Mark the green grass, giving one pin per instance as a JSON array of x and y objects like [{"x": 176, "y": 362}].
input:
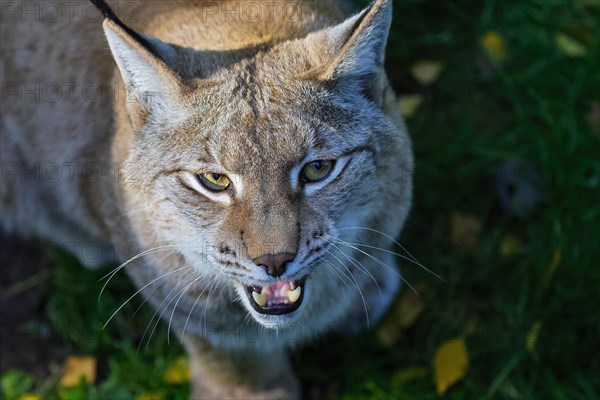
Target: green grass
[{"x": 533, "y": 109}]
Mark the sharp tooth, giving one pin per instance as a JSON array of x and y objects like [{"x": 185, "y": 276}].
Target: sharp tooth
[
  {"x": 294, "y": 295},
  {"x": 260, "y": 299}
]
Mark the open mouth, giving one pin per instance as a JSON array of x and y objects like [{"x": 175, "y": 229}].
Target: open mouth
[{"x": 278, "y": 298}]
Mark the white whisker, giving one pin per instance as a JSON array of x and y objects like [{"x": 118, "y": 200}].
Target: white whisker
[
  {"x": 204, "y": 312},
  {"x": 180, "y": 294},
  {"x": 194, "y": 305},
  {"x": 111, "y": 274},
  {"x": 339, "y": 274},
  {"x": 399, "y": 255},
  {"x": 357, "y": 287},
  {"x": 410, "y": 258},
  {"x": 362, "y": 269},
  {"x": 158, "y": 309},
  {"x": 377, "y": 260},
  {"x": 178, "y": 300},
  {"x": 142, "y": 288}
]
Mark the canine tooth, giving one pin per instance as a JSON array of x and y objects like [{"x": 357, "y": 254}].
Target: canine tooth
[
  {"x": 260, "y": 299},
  {"x": 294, "y": 295}
]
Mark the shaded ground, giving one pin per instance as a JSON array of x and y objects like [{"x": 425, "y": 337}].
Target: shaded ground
[{"x": 25, "y": 343}]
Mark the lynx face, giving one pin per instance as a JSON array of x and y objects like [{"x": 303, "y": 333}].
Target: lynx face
[{"x": 256, "y": 169}]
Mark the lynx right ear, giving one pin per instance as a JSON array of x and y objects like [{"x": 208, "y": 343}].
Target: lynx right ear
[
  {"x": 358, "y": 44},
  {"x": 353, "y": 52},
  {"x": 143, "y": 62}
]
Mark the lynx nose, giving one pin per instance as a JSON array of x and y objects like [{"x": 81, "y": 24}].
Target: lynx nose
[{"x": 274, "y": 263}]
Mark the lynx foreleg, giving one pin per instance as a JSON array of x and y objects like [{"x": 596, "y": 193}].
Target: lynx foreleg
[{"x": 249, "y": 374}]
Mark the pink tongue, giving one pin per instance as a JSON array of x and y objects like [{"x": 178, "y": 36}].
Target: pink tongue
[{"x": 277, "y": 290}]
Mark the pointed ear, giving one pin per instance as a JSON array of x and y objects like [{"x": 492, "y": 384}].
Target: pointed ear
[
  {"x": 355, "y": 48},
  {"x": 143, "y": 66},
  {"x": 143, "y": 62},
  {"x": 358, "y": 43}
]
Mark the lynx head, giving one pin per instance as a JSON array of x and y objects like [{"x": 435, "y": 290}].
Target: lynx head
[{"x": 257, "y": 159}]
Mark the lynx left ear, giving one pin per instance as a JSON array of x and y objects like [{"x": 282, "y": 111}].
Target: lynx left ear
[
  {"x": 143, "y": 62},
  {"x": 358, "y": 43}
]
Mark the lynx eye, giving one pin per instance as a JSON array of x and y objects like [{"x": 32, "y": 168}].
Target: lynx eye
[
  {"x": 317, "y": 170},
  {"x": 215, "y": 182}
]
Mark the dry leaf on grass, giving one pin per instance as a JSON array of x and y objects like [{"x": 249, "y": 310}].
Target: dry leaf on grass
[
  {"x": 450, "y": 364},
  {"x": 405, "y": 311},
  {"x": 409, "y": 104},
  {"x": 569, "y": 46},
  {"x": 426, "y": 72},
  {"x": 178, "y": 372},
  {"x": 532, "y": 337},
  {"x": 510, "y": 246},
  {"x": 494, "y": 45},
  {"x": 464, "y": 230},
  {"x": 554, "y": 263},
  {"x": 77, "y": 367}
]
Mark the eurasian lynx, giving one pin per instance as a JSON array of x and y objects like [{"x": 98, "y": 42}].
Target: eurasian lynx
[{"x": 251, "y": 152}]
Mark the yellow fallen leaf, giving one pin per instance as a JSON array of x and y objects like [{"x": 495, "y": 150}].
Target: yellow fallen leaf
[
  {"x": 569, "y": 46},
  {"x": 409, "y": 104},
  {"x": 411, "y": 306},
  {"x": 450, "y": 364},
  {"x": 405, "y": 311},
  {"x": 178, "y": 372},
  {"x": 510, "y": 245},
  {"x": 532, "y": 337},
  {"x": 554, "y": 263},
  {"x": 149, "y": 396},
  {"x": 30, "y": 397},
  {"x": 77, "y": 367},
  {"x": 408, "y": 375},
  {"x": 493, "y": 43},
  {"x": 464, "y": 231},
  {"x": 426, "y": 72}
]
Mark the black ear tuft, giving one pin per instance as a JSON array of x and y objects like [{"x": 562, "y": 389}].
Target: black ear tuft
[
  {"x": 105, "y": 10},
  {"x": 109, "y": 14}
]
